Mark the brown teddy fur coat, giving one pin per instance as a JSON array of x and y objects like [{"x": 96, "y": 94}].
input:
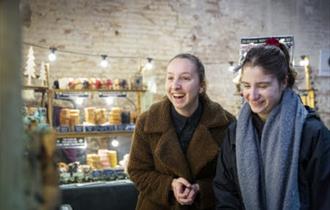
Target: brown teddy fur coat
[{"x": 156, "y": 157}]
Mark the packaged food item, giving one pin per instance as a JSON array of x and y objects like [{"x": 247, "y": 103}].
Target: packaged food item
[
  {"x": 116, "y": 84},
  {"x": 98, "y": 84},
  {"x": 85, "y": 169},
  {"x": 94, "y": 161},
  {"x": 62, "y": 167},
  {"x": 115, "y": 116},
  {"x": 95, "y": 83},
  {"x": 78, "y": 84},
  {"x": 112, "y": 157},
  {"x": 65, "y": 117},
  {"x": 103, "y": 153},
  {"x": 107, "y": 84},
  {"x": 90, "y": 115},
  {"x": 85, "y": 84},
  {"x": 100, "y": 116},
  {"x": 71, "y": 83},
  {"x": 123, "y": 84},
  {"x": 74, "y": 117}
]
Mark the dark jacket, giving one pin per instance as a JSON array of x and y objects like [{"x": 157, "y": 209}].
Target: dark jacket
[
  {"x": 313, "y": 172},
  {"x": 156, "y": 157}
]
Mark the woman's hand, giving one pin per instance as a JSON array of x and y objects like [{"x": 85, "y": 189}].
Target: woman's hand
[
  {"x": 184, "y": 192},
  {"x": 192, "y": 194}
]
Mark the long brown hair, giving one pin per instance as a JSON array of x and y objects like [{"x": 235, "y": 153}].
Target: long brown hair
[{"x": 275, "y": 60}]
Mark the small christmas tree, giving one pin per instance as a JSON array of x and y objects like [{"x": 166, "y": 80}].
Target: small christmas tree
[
  {"x": 30, "y": 67},
  {"x": 43, "y": 74}
]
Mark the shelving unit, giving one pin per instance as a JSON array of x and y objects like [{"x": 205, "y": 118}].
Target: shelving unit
[
  {"x": 36, "y": 88},
  {"x": 120, "y": 91},
  {"x": 84, "y": 134},
  {"x": 79, "y": 142},
  {"x": 96, "y": 90},
  {"x": 41, "y": 89},
  {"x": 94, "y": 134}
]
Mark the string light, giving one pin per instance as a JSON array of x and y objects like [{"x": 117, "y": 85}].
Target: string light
[
  {"x": 75, "y": 52},
  {"x": 52, "y": 55},
  {"x": 304, "y": 61},
  {"x": 54, "y": 52},
  {"x": 231, "y": 66},
  {"x": 104, "y": 61},
  {"x": 115, "y": 143},
  {"x": 149, "y": 65}
]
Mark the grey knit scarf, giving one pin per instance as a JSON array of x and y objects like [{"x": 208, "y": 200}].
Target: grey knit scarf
[{"x": 268, "y": 172}]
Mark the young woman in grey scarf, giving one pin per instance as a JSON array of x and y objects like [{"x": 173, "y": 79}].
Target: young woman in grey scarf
[{"x": 277, "y": 155}]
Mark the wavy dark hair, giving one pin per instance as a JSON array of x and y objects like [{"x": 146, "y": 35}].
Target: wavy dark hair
[
  {"x": 275, "y": 60},
  {"x": 197, "y": 63}
]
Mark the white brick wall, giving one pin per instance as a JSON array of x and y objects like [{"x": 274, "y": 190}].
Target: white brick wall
[{"x": 211, "y": 29}]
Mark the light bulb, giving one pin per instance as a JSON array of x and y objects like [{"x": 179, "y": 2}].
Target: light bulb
[
  {"x": 115, "y": 143},
  {"x": 149, "y": 65},
  {"x": 52, "y": 55},
  {"x": 104, "y": 61},
  {"x": 304, "y": 61},
  {"x": 231, "y": 66}
]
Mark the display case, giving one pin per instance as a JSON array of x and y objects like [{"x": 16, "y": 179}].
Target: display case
[{"x": 94, "y": 128}]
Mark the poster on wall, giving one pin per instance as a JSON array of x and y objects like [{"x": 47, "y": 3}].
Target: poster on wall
[{"x": 248, "y": 43}]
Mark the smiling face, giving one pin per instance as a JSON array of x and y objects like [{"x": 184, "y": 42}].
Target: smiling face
[
  {"x": 262, "y": 91},
  {"x": 183, "y": 86}
]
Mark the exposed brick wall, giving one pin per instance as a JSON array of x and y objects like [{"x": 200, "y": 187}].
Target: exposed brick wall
[{"x": 211, "y": 29}]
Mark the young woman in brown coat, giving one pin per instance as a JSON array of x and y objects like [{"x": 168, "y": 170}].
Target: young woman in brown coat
[{"x": 176, "y": 142}]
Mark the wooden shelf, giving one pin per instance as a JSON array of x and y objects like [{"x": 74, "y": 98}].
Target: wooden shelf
[
  {"x": 92, "y": 134},
  {"x": 94, "y": 90},
  {"x": 35, "y": 88}
]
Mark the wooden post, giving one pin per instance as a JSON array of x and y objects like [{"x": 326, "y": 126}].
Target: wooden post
[
  {"x": 50, "y": 98},
  {"x": 11, "y": 127},
  {"x": 138, "y": 103}
]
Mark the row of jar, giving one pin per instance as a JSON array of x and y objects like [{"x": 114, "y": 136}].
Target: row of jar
[
  {"x": 94, "y": 116},
  {"x": 133, "y": 83}
]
